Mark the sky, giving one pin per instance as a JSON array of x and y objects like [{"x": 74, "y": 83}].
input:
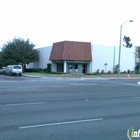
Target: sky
[{"x": 47, "y": 21}]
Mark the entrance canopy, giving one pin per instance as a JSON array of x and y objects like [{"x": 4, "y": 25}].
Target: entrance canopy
[{"x": 71, "y": 50}]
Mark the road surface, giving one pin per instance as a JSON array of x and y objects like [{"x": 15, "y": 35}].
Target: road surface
[{"x": 67, "y": 108}]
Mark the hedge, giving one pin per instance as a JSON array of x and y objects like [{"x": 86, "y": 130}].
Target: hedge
[{"x": 33, "y": 70}]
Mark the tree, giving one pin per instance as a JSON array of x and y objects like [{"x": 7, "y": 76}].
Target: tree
[
  {"x": 127, "y": 42},
  {"x": 1, "y": 61},
  {"x": 137, "y": 59},
  {"x": 137, "y": 52},
  {"x": 19, "y": 51}
]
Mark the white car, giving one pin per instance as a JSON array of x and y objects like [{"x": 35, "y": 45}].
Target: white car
[{"x": 13, "y": 70}]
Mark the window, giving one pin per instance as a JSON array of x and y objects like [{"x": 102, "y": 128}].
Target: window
[{"x": 17, "y": 67}]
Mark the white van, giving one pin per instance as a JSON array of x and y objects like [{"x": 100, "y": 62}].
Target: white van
[{"x": 13, "y": 70}]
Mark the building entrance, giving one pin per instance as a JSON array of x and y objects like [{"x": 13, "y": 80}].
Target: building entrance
[{"x": 60, "y": 67}]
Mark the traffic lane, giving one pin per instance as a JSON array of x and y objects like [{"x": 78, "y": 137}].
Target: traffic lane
[
  {"x": 20, "y": 91},
  {"x": 102, "y": 130},
  {"x": 34, "y": 113},
  {"x": 85, "y": 91},
  {"x": 27, "y": 81},
  {"x": 106, "y": 129},
  {"x": 30, "y": 90},
  {"x": 59, "y": 110},
  {"x": 34, "y": 90}
]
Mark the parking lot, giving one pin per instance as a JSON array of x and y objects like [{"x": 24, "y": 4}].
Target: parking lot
[{"x": 56, "y": 108}]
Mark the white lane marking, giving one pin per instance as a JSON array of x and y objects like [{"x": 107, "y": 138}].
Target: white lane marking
[
  {"x": 82, "y": 84},
  {"x": 35, "y": 103},
  {"x": 95, "y": 78},
  {"x": 136, "y": 97},
  {"x": 127, "y": 84},
  {"x": 60, "y": 123}
]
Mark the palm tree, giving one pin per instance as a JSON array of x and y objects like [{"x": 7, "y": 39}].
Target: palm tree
[{"x": 127, "y": 42}]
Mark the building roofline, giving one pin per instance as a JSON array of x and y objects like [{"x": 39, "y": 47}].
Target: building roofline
[{"x": 72, "y": 41}]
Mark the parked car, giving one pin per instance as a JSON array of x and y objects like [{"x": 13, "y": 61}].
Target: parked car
[
  {"x": 13, "y": 70},
  {"x": 3, "y": 70}
]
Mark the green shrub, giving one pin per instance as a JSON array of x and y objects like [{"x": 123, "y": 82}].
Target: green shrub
[
  {"x": 128, "y": 71},
  {"x": 98, "y": 71},
  {"x": 33, "y": 70},
  {"x": 49, "y": 69},
  {"x": 109, "y": 72},
  {"x": 102, "y": 71},
  {"x": 132, "y": 72},
  {"x": 124, "y": 72},
  {"x": 137, "y": 72},
  {"x": 115, "y": 69},
  {"x": 95, "y": 73},
  {"x": 57, "y": 73},
  {"x": 88, "y": 73},
  {"x": 137, "y": 68},
  {"x": 46, "y": 70}
]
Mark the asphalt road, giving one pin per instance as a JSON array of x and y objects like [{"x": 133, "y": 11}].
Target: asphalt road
[{"x": 67, "y": 108}]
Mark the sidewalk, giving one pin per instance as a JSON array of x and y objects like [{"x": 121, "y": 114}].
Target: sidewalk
[{"x": 101, "y": 76}]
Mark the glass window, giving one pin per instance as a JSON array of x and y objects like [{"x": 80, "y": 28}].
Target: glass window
[{"x": 17, "y": 67}]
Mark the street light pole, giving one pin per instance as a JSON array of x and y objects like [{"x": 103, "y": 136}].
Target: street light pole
[
  {"x": 120, "y": 47},
  {"x": 119, "y": 51}
]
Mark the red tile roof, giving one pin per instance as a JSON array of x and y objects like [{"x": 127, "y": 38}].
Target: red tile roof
[{"x": 71, "y": 50}]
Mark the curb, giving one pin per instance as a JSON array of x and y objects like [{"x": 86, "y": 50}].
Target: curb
[{"x": 82, "y": 78}]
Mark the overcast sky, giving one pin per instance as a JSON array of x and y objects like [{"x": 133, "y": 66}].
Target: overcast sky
[{"x": 48, "y": 21}]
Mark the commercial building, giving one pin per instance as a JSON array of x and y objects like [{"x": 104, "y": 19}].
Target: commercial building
[{"x": 84, "y": 57}]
